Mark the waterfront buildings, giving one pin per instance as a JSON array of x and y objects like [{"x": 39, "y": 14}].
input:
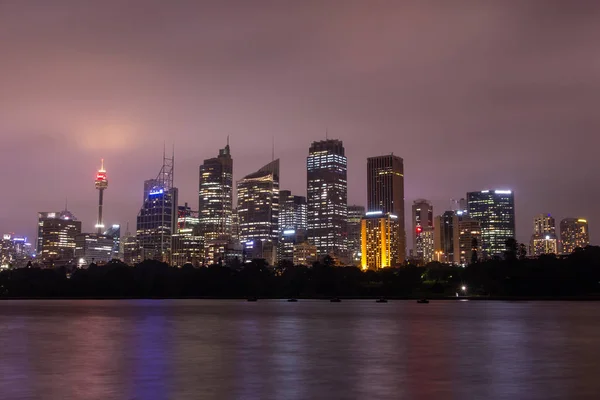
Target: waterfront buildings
[
  {"x": 305, "y": 254},
  {"x": 495, "y": 211},
  {"x": 543, "y": 239},
  {"x": 444, "y": 226},
  {"x": 157, "y": 219},
  {"x": 327, "y": 197},
  {"x": 292, "y": 224},
  {"x": 215, "y": 204},
  {"x": 355, "y": 215},
  {"x": 56, "y": 237},
  {"x": 380, "y": 241},
  {"x": 258, "y": 211},
  {"x": 385, "y": 193},
  {"x": 574, "y": 233},
  {"x": 15, "y": 251},
  {"x": 93, "y": 248},
  {"x": 422, "y": 221},
  {"x": 114, "y": 232},
  {"x": 467, "y": 240}
]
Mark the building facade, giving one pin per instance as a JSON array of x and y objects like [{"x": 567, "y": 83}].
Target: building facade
[
  {"x": 574, "y": 233},
  {"x": 422, "y": 221},
  {"x": 444, "y": 226},
  {"x": 467, "y": 240},
  {"x": 327, "y": 197},
  {"x": 56, "y": 237},
  {"x": 543, "y": 239},
  {"x": 292, "y": 224},
  {"x": 215, "y": 204},
  {"x": 380, "y": 241},
  {"x": 93, "y": 248},
  {"x": 385, "y": 192},
  {"x": 355, "y": 215},
  {"x": 495, "y": 211}
]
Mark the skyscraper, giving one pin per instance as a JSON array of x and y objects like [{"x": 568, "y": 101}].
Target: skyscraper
[
  {"x": 543, "y": 239},
  {"x": 444, "y": 226},
  {"x": 380, "y": 237},
  {"x": 422, "y": 219},
  {"x": 355, "y": 215},
  {"x": 157, "y": 219},
  {"x": 495, "y": 210},
  {"x": 188, "y": 246},
  {"x": 292, "y": 224},
  {"x": 327, "y": 197},
  {"x": 101, "y": 184},
  {"x": 114, "y": 232},
  {"x": 385, "y": 192},
  {"x": 574, "y": 233},
  {"x": 216, "y": 196},
  {"x": 258, "y": 209},
  {"x": 93, "y": 248},
  {"x": 467, "y": 239},
  {"x": 56, "y": 237}
]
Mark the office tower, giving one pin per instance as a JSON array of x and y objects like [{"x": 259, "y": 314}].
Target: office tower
[
  {"x": 385, "y": 192},
  {"x": 56, "y": 237},
  {"x": 422, "y": 219},
  {"x": 543, "y": 239},
  {"x": 292, "y": 224},
  {"x": 157, "y": 219},
  {"x": 235, "y": 226},
  {"x": 114, "y": 232},
  {"x": 459, "y": 205},
  {"x": 216, "y": 196},
  {"x": 130, "y": 249},
  {"x": 574, "y": 233},
  {"x": 188, "y": 245},
  {"x": 93, "y": 248},
  {"x": 427, "y": 241},
  {"x": 380, "y": 241},
  {"x": 15, "y": 251},
  {"x": 444, "y": 226},
  {"x": 327, "y": 197},
  {"x": 305, "y": 254},
  {"x": 495, "y": 210},
  {"x": 258, "y": 210},
  {"x": 355, "y": 215},
  {"x": 467, "y": 239},
  {"x": 101, "y": 184},
  {"x": 187, "y": 221}
]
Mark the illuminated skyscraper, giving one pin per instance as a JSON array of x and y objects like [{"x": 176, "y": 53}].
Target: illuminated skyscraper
[
  {"x": 355, "y": 215},
  {"x": 574, "y": 233},
  {"x": 422, "y": 219},
  {"x": 157, "y": 219},
  {"x": 188, "y": 246},
  {"x": 380, "y": 236},
  {"x": 543, "y": 239},
  {"x": 56, "y": 237},
  {"x": 101, "y": 184},
  {"x": 385, "y": 192},
  {"x": 114, "y": 232},
  {"x": 444, "y": 226},
  {"x": 216, "y": 196},
  {"x": 327, "y": 197},
  {"x": 495, "y": 211},
  {"x": 258, "y": 209},
  {"x": 93, "y": 248},
  {"x": 467, "y": 239},
  {"x": 292, "y": 223}
]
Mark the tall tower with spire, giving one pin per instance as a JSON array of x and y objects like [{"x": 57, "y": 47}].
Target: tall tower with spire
[{"x": 101, "y": 183}]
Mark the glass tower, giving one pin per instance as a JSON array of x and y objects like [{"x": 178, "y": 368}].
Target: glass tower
[{"x": 495, "y": 211}]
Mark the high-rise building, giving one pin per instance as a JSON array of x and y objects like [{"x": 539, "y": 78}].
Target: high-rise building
[
  {"x": 305, "y": 254},
  {"x": 101, "y": 184},
  {"x": 15, "y": 251},
  {"x": 422, "y": 220},
  {"x": 187, "y": 221},
  {"x": 157, "y": 219},
  {"x": 427, "y": 241},
  {"x": 216, "y": 196},
  {"x": 495, "y": 210},
  {"x": 444, "y": 226},
  {"x": 355, "y": 215},
  {"x": 380, "y": 236},
  {"x": 385, "y": 192},
  {"x": 292, "y": 224},
  {"x": 327, "y": 197},
  {"x": 56, "y": 237},
  {"x": 93, "y": 248},
  {"x": 114, "y": 232},
  {"x": 467, "y": 239},
  {"x": 188, "y": 245},
  {"x": 543, "y": 239},
  {"x": 235, "y": 226},
  {"x": 574, "y": 233},
  {"x": 258, "y": 209}
]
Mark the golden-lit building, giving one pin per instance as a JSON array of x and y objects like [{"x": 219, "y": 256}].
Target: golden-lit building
[
  {"x": 574, "y": 234},
  {"x": 427, "y": 245},
  {"x": 381, "y": 241},
  {"x": 543, "y": 240},
  {"x": 305, "y": 254}
]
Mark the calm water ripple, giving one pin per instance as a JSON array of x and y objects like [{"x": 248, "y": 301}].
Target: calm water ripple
[{"x": 217, "y": 349}]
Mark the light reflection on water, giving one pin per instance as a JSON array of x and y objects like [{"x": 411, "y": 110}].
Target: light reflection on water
[{"x": 190, "y": 349}]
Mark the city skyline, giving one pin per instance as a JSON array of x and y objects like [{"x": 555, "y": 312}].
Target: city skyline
[{"x": 382, "y": 80}]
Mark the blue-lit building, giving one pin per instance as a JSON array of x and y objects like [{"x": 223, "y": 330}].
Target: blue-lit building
[{"x": 495, "y": 211}]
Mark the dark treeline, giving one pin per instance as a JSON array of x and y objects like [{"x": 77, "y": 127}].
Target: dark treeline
[{"x": 515, "y": 275}]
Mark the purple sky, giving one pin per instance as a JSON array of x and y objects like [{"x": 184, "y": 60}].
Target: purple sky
[{"x": 472, "y": 94}]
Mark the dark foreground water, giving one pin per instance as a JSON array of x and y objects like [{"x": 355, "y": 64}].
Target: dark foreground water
[{"x": 204, "y": 349}]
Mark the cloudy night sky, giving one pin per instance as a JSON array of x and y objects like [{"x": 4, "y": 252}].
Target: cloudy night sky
[{"x": 472, "y": 94}]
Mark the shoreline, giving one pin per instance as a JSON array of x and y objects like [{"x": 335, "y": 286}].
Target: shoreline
[{"x": 372, "y": 298}]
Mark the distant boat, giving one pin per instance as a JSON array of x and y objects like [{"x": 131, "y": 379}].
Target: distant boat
[
  {"x": 382, "y": 300},
  {"x": 423, "y": 301},
  {"x": 292, "y": 300},
  {"x": 252, "y": 299},
  {"x": 335, "y": 300}
]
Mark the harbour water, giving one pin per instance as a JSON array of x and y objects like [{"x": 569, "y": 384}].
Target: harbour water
[{"x": 272, "y": 349}]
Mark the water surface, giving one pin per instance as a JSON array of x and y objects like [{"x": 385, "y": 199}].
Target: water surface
[{"x": 228, "y": 349}]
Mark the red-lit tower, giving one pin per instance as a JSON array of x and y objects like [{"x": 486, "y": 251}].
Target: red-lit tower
[{"x": 101, "y": 184}]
